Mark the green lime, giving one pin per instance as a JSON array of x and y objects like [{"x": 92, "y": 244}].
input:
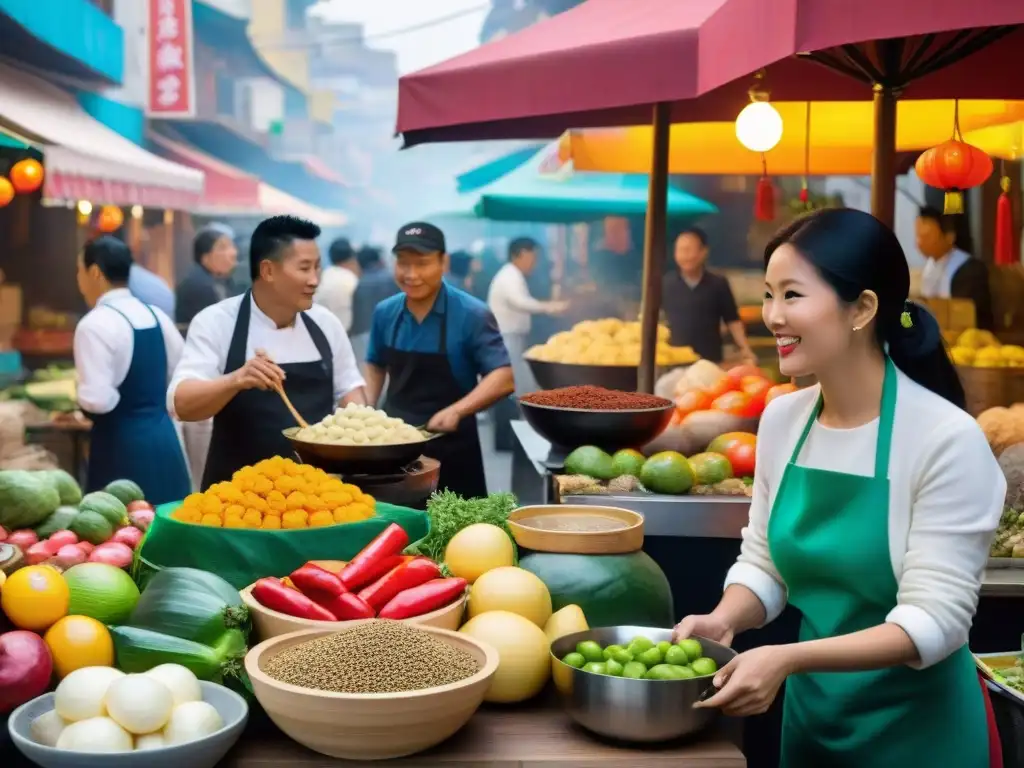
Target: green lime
[
  {"x": 634, "y": 669},
  {"x": 684, "y": 672},
  {"x": 611, "y": 649},
  {"x": 620, "y": 655},
  {"x": 628, "y": 462},
  {"x": 704, "y": 666},
  {"x": 692, "y": 647},
  {"x": 595, "y": 667},
  {"x": 650, "y": 658},
  {"x": 574, "y": 660},
  {"x": 676, "y": 655},
  {"x": 663, "y": 672},
  {"x": 590, "y": 650},
  {"x": 613, "y": 668},
  {"x": 638, "y": 645},
  {"x": 663, "y": 646}
]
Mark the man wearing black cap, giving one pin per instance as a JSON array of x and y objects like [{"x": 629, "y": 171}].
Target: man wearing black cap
[{"x": 442, "y": 355}]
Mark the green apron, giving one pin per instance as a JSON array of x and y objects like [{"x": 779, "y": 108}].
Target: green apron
[{"x": 828, "y": 534}]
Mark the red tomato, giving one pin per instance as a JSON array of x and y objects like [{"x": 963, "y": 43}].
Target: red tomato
[
  {"x": 741, "y": 455},
  {"x": 736, "y": 403},
  {"x": 737, "y": 373},
  {"x": 757, "y": 387},
  {"x": 720, "y": 387},
  {"x": 778, "y": 390},
  {"x": 693, "y": 400}
]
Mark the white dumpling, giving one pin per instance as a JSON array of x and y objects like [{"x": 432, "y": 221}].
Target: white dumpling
[
  {"x": 333, "y": 433},
  {"x": 346, "y": 441},
  {"x": 373, "y": 432}
]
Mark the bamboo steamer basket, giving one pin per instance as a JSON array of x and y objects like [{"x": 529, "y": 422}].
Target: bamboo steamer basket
[
  {"x": 986, "y": 388},
  {"x": 370, "y": 726}
]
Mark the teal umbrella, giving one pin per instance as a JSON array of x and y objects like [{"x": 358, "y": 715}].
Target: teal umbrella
[{"x": 565, "y": 197}]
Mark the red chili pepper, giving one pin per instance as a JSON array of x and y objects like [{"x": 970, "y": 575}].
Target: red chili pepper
[
  {"x": 405, "y": 576},
  {"x": 423, "y": 599},
  {"x": 363, "y": 569},
  {"x": 347, "y": 607},
  {"x": 272, "y": 594},
  {"x": 318, "y": 584}
]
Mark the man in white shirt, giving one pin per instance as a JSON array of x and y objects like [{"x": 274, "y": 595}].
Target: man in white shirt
[
  {"x": 338, "y": 282},
  {"x": 240, "y": 351},
  {"x": 124, "y": 353},
  {"x": 510, "y": 300}
]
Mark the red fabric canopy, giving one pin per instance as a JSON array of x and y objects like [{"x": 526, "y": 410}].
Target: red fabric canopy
[
  {"x": 226, "y": 188},
  {"x": 606, "y": 62}
]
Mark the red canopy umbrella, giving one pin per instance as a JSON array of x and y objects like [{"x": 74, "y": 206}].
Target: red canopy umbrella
[{"x": 610, "y": 62}]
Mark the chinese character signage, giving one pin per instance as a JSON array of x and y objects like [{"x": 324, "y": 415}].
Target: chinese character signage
[{"x": 172, "y": 90}]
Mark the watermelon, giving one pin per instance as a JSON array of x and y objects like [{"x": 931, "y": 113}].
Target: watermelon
[
  {"x": 26, "y": 499},
  {"x": 106, "y": 505},
  {"x": 612, "y": 590},
  {"x": 126, "y": 491},
  {"x": 60, "y": 520},
  {"x": 91, "y": 526},
  {"x": 67, "y": 487}
]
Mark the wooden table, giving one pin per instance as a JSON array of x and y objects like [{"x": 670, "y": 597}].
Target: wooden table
[{"x": 530, "y": 736}]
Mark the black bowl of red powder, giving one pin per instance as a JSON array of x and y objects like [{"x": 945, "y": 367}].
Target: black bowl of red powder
[{"x": 588, "y": 415}]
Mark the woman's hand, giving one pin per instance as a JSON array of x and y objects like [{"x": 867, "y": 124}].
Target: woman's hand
[
  {"x": 749, "y": 683},
  {"x": 707, "y": 625}
]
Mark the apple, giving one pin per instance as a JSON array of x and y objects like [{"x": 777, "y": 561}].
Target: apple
[{"x": 25, "y": 668}]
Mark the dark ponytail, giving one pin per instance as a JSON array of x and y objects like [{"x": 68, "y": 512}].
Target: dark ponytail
[{"x": 854, "y": 252}]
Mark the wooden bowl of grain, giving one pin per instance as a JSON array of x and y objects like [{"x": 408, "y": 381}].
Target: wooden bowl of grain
[
  {"x": 267, "y": 624},
  {"x": 370, "y": 726}
]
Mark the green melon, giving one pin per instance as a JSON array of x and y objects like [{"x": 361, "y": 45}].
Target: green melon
[
  {"x": 105, "y": 505},
  {"x": 60, "y": 520},
  {"x": 66, "y": 485},
  {"x": 91, "y": 526},
  {"x": 612, "y": 590},
  {"x": 126, "y": 491}
]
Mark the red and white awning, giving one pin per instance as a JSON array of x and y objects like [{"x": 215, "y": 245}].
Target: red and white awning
[{"x": 85, "y": 160}]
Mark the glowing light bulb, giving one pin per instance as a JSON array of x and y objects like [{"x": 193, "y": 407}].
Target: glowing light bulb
[
  {"x": 136, "y": 211},
  {"x": 759, "y": 126},
  {"x": 84, "y": 207}
]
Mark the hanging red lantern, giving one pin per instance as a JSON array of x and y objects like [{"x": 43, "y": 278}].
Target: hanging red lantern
[
  {"x": 953, "y": 166},
  {"x": 1005, "y": 248},
  {"x": 27, "y": 176},
  {"x": 110, "y": 219},
  {"x": 6, "y": 192},
  {"x": 764, "y": 195}
]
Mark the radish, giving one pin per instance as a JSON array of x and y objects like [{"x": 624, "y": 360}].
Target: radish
[
  {"x": 38, "y": 552},
  {"x": 25, "y": 668},
  {"x": 129, "y": 535},
  {"x": 69, "y": 555},
  {"x": 112, "y": 553},
  {"x": 134, "y": 505},
  {"x": 86, "y": 547},
  {"x": 141, "y": 518},
  {"x": 61, "y": 538},
  {"x": 22, "y": 539}
]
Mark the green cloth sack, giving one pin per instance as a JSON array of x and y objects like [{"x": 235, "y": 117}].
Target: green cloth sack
[{"x": 240, "y": 556}]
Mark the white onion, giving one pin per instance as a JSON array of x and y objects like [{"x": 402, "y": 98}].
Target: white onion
[
  {"x": 80, "y": 695},
  {"x": 139, "y": 703},
  {"x": 97, "y": 734},
  {"x": 184, "y": 685},
  {"x": 47, "y": 728},
  {"x": 190, "y": 721}
]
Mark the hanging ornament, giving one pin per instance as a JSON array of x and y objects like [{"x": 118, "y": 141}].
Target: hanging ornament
[
  {"x": 764, "y": 195},
  {"x": 1005, "y": 248},
  {"x": 110, "y": 219},
  {"x": 27, "y": 176},
  {"x": 759, "y": 129},
  {"x": 6, "y": 192},
  {"x": 954, "y": 166}
]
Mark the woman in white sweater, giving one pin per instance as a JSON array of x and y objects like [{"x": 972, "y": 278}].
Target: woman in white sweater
[{"x": 875, "y": 499}]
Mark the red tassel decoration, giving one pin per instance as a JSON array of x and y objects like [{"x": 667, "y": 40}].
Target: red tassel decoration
[
  {"x": 764, "y": 195},
  {"x": 1006, "y": 252}
]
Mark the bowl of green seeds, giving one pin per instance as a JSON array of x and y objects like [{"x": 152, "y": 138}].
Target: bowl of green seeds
[{"x": 375, "y": 690}]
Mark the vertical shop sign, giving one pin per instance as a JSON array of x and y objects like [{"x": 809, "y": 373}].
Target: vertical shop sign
[{"x": 171, "y": 87}]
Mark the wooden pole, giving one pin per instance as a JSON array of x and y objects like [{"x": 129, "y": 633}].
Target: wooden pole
[
  {"x": 654, "y": 250},
  {"x": 883, "y": 157}
]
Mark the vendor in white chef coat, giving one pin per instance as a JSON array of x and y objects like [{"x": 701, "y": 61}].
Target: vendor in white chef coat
[
  {"x": 875, "y": 500},
  {"x": 240, "y": 350},
  {"x": 124, "y": 353}
]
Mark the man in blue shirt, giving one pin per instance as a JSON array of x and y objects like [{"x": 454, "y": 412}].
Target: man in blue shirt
[
  {"x": 442, "y": 355},
  {"x": 150, "y": 288}
]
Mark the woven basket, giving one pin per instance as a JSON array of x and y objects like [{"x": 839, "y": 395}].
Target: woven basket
[{"x": 991, "y": 387}]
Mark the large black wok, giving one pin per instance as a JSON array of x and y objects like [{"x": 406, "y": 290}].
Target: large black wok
[{"x": 358, "y": 459}]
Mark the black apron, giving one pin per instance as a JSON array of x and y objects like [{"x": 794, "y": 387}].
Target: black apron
[
  {"x": 420, "y": 385},
  {"x": 248, "y": 429}
]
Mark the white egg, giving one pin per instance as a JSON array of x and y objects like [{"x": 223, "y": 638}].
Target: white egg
[
  {"x": 139, "y": 703},
  {"x": 80, "y": 695},
  {"x": 184, "y": 685},
  {"x": 47, "y": 728},
  {"x": 95, "y": 735},
  {"x": 150, "y": 741}
]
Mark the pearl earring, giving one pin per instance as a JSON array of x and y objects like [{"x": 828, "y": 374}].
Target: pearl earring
[{"x": 856, "y": 328}]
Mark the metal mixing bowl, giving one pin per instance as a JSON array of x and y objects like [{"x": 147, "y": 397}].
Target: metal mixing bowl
[{"x": 633, "y": 710}]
